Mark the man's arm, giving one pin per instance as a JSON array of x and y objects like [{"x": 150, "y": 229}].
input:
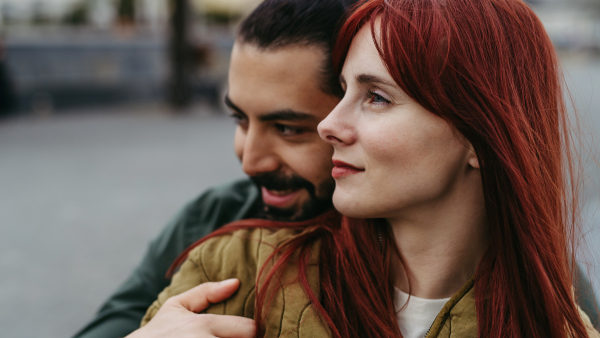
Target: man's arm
[
  {"x": 178, "y": 316},
  {"x": 122, "y": 312}
]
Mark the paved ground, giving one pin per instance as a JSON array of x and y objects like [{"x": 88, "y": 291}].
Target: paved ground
[{"x": 82, "y": 194}]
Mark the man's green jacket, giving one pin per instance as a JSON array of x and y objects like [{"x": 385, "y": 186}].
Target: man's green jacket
[{"x": 123, "y": 311}]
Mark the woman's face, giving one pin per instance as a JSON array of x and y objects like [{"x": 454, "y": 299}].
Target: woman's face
[{"x": 391, "y": 154}]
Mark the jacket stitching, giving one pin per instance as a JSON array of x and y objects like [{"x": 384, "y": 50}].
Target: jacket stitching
[
  {"x": 301, "y": 316},
  {"x": 247, "y": 299},
  {"x": 283, "y": 310},
  {"x": 200, "y": 266},
  {"x": 258, "y": 249},
  {"x": 260, "y": 242}
]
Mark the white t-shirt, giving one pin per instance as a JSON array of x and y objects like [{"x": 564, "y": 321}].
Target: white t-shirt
[{"x": 417, "y": 317}]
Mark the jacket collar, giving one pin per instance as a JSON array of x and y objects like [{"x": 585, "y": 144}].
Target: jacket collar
[{"x": 459, "y": 314}]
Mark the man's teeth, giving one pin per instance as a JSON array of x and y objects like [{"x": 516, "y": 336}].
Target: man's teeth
[{"x": 281, "y": 192}]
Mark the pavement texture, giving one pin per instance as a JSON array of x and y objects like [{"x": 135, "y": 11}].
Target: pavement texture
[{"x": 82, "y": 194}]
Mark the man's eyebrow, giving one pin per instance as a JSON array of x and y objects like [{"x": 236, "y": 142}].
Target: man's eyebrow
[
  {"x": 368, "y": 78},
  {"x": 287, "y": 115},
  {"x": 232, "y": 106}
]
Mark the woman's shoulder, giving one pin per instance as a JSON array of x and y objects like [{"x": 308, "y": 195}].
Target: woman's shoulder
[
  {"x": 245, "y": 247},
  {"x": 239, "y": 254},
  {"x": 591, "y": 331}
]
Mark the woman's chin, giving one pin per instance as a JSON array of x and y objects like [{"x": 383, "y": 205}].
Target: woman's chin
[{"x": 349, "y": 205}]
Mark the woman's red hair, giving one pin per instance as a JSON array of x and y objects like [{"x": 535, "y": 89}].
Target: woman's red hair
[
  {"x": 487, "y": 67},
  {"x": 355, "y": 272}
]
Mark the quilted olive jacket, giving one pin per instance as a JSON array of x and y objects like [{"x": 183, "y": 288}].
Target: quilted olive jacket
[{"x": 291, "y": 314}]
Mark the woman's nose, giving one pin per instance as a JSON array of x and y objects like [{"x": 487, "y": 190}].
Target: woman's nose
[{"x": 336, "y": 129}]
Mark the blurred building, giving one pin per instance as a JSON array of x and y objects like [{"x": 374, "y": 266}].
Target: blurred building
[
  {"x": 102, "y": 13},
  {"x": 572, "y": 28},
  {"x": 67, "y": 53}
]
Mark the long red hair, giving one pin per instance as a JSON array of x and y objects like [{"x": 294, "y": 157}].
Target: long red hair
[
  {"x": 488, "y": 67},
  {"x": 355, "y": 272}
]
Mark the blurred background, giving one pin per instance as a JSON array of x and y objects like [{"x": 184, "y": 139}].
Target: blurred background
[{"x": 111, "y": 120}]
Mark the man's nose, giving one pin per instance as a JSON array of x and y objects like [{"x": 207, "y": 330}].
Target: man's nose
[{"x": 259, "y": 154}]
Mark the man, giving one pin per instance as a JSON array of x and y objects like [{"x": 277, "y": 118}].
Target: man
[{"x": 281, "y": 85}]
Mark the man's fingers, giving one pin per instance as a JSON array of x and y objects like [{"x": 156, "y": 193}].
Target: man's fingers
[
  {"x": 201, "y": 296},
  {"x": 230, "y": 326}
]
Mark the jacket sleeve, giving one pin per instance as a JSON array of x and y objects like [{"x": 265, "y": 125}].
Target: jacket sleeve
[
  {"x": 189, "y": 275},
  {"x": 232, "y": 255},
  {"x": 122, "y": 312}
]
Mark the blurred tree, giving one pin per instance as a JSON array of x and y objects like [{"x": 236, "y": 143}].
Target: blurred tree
[
  {"x": 78, "y": 14},
  {"x": 40, "y": 13},
  {"x": 179, "y": 90},
  {"x": 126, "y": 11},
  {"x": 7, "y": 94}
]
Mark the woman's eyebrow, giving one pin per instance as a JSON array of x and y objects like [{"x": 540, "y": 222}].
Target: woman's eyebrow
[{"x": 368, "y": 78}]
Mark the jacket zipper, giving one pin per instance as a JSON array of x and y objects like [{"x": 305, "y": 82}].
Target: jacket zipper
[
  {"x": 426, "y": 333},
  {"x": 430, "y": 326}
]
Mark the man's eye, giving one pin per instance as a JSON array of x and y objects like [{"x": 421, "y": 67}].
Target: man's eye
[
  {"x": 376, "y": 98},
  {"x": 239, "y": 119},
  {"x": 288, "y": 130}
]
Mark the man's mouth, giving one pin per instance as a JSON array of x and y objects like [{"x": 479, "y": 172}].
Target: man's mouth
[{"x": 279, "y": 198}]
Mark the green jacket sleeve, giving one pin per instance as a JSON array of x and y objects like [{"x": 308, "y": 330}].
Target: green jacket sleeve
[{"x": 122, "y": 312}]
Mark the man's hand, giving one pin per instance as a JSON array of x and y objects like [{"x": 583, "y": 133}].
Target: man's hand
[{"x": 178, "y": 316}]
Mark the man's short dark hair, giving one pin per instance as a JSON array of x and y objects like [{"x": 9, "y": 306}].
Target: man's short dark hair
[{"x": 279, "y": 23}]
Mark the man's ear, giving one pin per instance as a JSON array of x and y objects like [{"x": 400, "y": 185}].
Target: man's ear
[{"x": 472, "y": 157}]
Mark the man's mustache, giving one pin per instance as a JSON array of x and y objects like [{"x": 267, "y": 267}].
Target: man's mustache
[{"x": 281, "y": 182}]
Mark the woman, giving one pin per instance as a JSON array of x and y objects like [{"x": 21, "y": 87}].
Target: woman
[{"x": 451, "y": 141}]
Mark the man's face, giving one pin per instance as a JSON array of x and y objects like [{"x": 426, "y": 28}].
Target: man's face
[{"x": 276, "y": 99}]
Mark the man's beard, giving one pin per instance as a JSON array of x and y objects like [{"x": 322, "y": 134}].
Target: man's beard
[{"x": 318, "y": 202}]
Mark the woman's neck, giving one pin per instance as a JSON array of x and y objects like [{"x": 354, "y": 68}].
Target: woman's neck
[{"x": 441, "y": 245}]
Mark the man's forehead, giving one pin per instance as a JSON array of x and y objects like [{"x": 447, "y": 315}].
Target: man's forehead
[
  {"x": 285, "y": 81},
  {"x": 294, "y": 50},
  {"x": 294, "y": 60}
]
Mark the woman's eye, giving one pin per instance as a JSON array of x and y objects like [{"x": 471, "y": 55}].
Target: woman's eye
[
  {"x": 288, "y": 130},
  {"x": 376, "y": 98}
]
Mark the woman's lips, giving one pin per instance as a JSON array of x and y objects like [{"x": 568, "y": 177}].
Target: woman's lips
[
  {"x": 342, "y": 169},
  {"x": 278, "y": 199}
]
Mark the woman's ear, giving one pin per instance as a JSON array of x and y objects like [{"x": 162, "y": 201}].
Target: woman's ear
[{"x": 472, "y": 157}]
